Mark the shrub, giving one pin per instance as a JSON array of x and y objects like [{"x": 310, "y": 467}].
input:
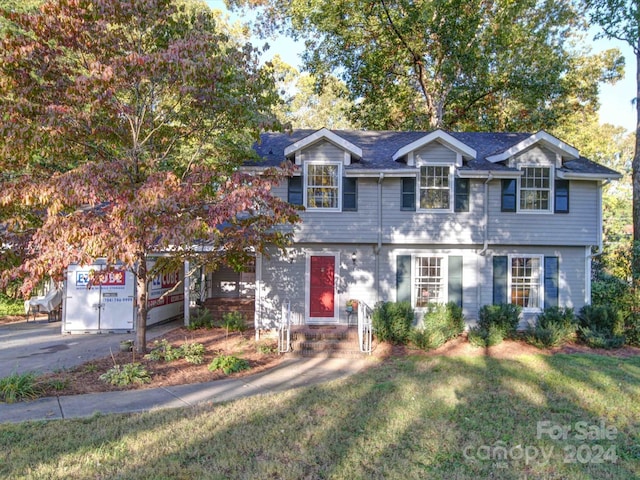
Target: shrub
[
  {"x": 613, "y": 291},
  {"x": 554, "y": 326},
  {"x": 126, "y": 374},
  {"x": 10, "y": 306},
  {"x": 392, "y": 321},
  {"x": 485, "y": 336},
  {"x": 495, "y": 323},
  {"x": 600, "y": 317},
  {"x": 58, "y": 384},
  {"x": 193, "y": 352},
  {"x": 163, "y": 350},
  {"x": 234, "y": 322},
  {"x": 505, "y": 317},
  {"x": 17, "y": 387},
  {"x": 228, "y": 364},
  {"x": 632, "y": 329},
  {"x": 442, "y": 322},
  {"x": 267, "y": 348},
  {"x": 600, "y": 326},
  {"x": 200, "y": 318}
]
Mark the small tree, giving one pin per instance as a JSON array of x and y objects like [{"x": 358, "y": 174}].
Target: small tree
[
  {"x": 620, "y": 20},
  {"x": 123, "y": 126}
]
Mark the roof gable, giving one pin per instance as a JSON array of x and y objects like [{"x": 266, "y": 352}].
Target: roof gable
[
  {"x": 323, "y": 134},
  {"x": 541, "y": 137},
  {"x": 437, "y": 136}
]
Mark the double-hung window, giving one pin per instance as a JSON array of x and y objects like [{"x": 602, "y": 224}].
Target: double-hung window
[
  {"x": 526, "y": 281},
  {"x": 430, "y": 281},
  {"x": 435, "y": 187},
  {"x": 322, "y": 186},
  {"x": 535, "y": 189}
]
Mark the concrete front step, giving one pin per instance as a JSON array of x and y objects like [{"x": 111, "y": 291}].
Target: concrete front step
[
  {"x": 325, "y": 353},
  {"x": 321, "y": 341}
]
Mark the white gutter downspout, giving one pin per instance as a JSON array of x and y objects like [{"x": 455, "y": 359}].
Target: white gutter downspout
[
  {"x": 378, "y": 247},
  {"x": 485, "y": 242},
  {"x": 485, "y": 218}
]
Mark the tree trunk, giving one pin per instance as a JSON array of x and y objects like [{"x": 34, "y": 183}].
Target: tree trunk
[
  {"x": 635, "y": 177},
  {"x": 141, "y": 304}
]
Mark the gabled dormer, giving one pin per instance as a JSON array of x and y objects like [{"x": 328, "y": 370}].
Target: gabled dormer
[
  {"x": 560, "y": 150},
  {"x": 322, "y": 185},
  {"x": 436, "y": 157},
  {"x": 537, "y": 188},
  {"x": 350, "y": 151},
  {"x": 412, "y": 151}
]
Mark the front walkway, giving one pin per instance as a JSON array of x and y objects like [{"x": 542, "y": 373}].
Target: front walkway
[{"x": 290, "y": 374}]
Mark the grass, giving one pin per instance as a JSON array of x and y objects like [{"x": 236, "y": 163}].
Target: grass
[
  {"x": 16, "y": 387},
  {"x": 410, "y": 418}
]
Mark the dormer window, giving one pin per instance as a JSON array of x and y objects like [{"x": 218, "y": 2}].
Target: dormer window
[
  {"x": 322, "y": 186},
  {"x": 535, "y": 189},
  {"x": 534, "y": 192},
  {"x": 435, "y": 187}
]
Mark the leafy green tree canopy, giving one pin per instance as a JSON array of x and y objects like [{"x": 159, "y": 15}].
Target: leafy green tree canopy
[
  {"x": 304, "y": 105},
  {"x": 458, "y": 64},
  {"x": 620, "y": 19}
]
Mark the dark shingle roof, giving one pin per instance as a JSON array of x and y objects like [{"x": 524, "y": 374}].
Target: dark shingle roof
[{"x": 378, "y": 148}]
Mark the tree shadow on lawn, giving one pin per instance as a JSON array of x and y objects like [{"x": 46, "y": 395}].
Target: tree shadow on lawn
[{"x": 436, "y": 417}]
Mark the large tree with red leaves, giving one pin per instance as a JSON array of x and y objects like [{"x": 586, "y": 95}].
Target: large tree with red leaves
[{"x": 122, "y": 126}]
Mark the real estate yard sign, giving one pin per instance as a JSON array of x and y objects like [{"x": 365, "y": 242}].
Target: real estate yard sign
[
  {"x": 166, "y": 296},
  {"x": 98, "y": 301}
]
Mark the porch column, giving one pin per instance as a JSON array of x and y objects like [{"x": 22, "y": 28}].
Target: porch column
[{"x": 186, "y": 289}]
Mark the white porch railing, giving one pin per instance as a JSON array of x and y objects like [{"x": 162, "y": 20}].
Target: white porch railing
[
  {"x": 284, "y": 329},
  {"x": 365, "y": 330}
]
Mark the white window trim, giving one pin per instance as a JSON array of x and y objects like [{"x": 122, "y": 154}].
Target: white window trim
[
  {"x": 551, "y": 190},
  {"x": 444, "y": 268},
  {"x": 540, "y": 277},
  {"x": 305, "y": 186},
  {"x": 451, "y": 186}
]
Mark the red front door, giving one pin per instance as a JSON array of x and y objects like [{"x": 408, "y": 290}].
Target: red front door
[{"x": 322, "y": 288}]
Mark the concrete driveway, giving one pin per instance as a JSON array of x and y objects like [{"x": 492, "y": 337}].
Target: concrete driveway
[{"x": 41, "y": 347}]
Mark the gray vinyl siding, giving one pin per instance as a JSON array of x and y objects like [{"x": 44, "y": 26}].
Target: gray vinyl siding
[
  {"x": 388, "y": 265},
  {"x": 425, "y": 227},
  {"x": 323, "y": 151},
  {"x": 578, "y": 227},
  {"x": 344, "y": 227},
  {"x": 435, "y": 153},
  {"x": 571, "y": 281},
  {"x": 283, "y": 281}
]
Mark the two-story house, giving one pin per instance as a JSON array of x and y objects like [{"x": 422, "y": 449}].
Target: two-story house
[{"x": 473, "y": 218}]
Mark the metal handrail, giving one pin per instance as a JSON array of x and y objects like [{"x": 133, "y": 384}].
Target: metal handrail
[
  {"x": 365, "y": 330},
  {"x": 284, "y": 329}
]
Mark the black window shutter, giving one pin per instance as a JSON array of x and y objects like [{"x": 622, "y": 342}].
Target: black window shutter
[
  {"x": 562, "y": 196},
  {"x": 509, "y": 195},
  {"x": 500, "y": 280},
  {"x": 461, "y": 194},
  {"x": 403, "y": 278},
  {"x": 408, "y": 194},
  {"x": 294, "y": 191},
  {"x": 455, "y": 280},
  {"x": 350, "y": 194},
  {"x": 551, "y": 290}
]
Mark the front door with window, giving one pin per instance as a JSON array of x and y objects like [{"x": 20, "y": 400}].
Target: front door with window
[{"x": 322, "y": 283}]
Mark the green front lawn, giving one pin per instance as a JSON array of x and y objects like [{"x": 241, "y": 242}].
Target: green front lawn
[{"x": 562, "y": 416}]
